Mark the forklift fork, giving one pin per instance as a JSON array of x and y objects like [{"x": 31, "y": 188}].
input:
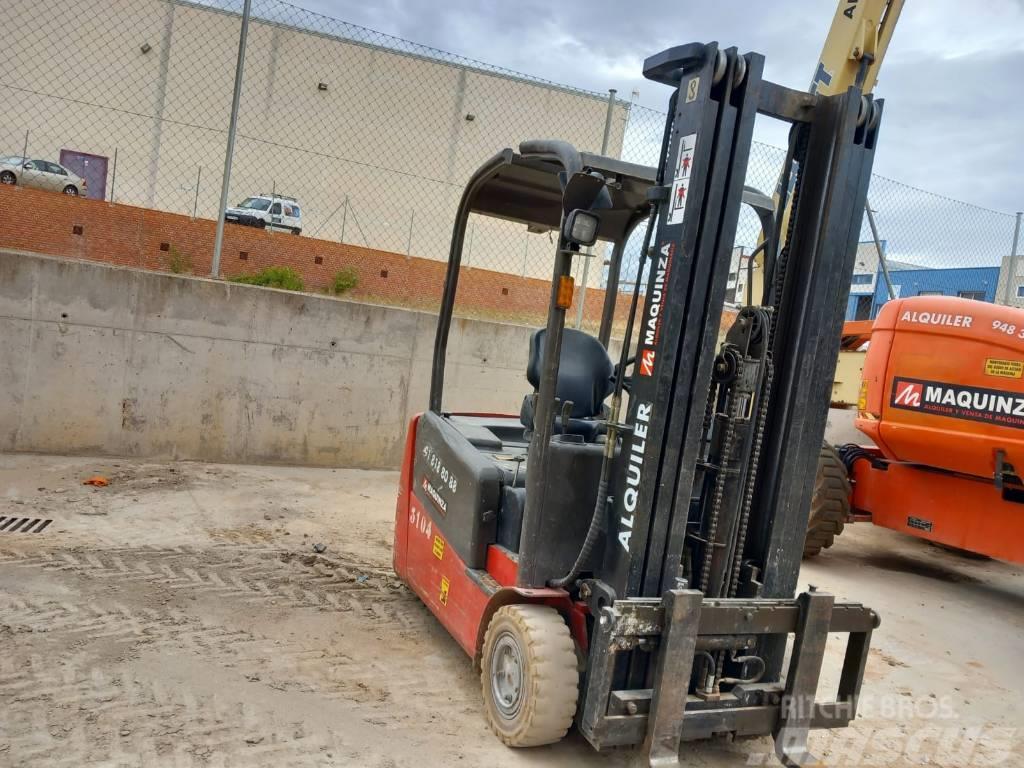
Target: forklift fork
[
  {"x": 683, "y": 624},
  {"x": 675, "y": 663}
]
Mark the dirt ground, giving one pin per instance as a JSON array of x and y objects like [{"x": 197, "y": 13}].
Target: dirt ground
[{"x": 182, "y": 617}]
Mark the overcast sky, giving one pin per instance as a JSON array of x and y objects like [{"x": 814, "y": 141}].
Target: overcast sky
[{"x": 953, "y": 78}]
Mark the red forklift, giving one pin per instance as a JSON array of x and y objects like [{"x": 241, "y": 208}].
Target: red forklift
[{"x": 631, "y": 569}]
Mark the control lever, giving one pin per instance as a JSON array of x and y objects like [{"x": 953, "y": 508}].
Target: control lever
[{"x": 566, "y": 412}]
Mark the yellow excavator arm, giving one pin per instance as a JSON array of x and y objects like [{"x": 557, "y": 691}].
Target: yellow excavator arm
[
  {"x": 852, "y": 54},
  {"x": 855, "y": 46}
]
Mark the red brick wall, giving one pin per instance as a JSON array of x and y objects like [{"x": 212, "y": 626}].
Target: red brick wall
[{"x": 46, "y": 222}]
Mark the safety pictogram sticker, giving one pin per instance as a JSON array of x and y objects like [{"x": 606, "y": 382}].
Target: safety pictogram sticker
[{"x": 681, "y": 182}]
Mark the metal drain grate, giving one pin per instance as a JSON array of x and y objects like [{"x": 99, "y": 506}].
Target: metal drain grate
[{"x": 23, "y": 524}]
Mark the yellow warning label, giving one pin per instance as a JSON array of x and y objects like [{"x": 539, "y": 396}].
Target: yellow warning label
[
  {"x": 438, "y": 547},
  {"x": 444, "y": 590},
  {"x": 1008, "y": 369}
]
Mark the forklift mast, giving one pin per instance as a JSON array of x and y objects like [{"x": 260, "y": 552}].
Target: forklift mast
[
  {"x": 707, "y": 499},
  {"x": 705, "y": 424}
]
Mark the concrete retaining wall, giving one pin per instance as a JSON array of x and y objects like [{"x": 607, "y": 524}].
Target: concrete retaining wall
[{"x": 114, "y": 361}]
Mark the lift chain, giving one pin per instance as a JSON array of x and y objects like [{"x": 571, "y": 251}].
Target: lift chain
[
  {"x": 755, "y": 460},
  {"x": 779, "y": 277},
  {"x": 733, "y": 415}
]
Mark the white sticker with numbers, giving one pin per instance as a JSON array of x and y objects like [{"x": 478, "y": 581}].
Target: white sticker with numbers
[
  {"x": 692, "y": 89},
  {"x": 681, "y": 181}
]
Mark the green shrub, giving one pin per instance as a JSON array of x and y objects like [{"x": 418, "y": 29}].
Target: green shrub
[
  {"x": 273, "y": 277},
  {"x": 344, "y": 280},
  {"x": 178, "y": 262}
]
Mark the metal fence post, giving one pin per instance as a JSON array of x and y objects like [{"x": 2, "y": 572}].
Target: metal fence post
[
  {"x": 344, "y": 220},
  {"x": 195, "y": 202},
  {"x": 1011, "y": 272},
  {"x": 113, "y": 177},
  {"x": 469, "y": 247},
  {"x": 881, "y": 256},
  {"x": 24, "y": 151},
  {"x": 408, "y": 243},
  {"x": 236, "y": 97},
  {"x": 590, "y": 250},
  {"x": 355, "y": 220}
]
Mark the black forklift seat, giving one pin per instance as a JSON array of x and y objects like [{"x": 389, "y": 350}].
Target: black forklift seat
[{"x": 584, "y": 378}]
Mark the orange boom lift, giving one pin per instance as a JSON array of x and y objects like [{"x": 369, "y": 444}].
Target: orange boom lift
[{"x": 942, "y": 399}]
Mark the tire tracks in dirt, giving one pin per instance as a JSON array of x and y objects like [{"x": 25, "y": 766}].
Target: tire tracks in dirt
[
  {"x": 71, "y": 709},
  {"x": 294, "y": 580}
]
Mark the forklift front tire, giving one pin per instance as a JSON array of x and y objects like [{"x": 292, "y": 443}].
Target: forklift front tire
[{"x": 529, "y": 675}]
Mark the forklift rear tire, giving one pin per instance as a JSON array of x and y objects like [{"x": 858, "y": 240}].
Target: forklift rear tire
[
  {"x": 830, "y": 504},
  {"x": 529, "y": 675}
]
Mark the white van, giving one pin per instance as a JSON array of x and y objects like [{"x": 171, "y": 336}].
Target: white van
[{"x": 275, "y": 211}]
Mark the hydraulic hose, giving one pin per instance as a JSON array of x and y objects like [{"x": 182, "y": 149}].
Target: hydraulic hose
[
  {"x": 743, "y": 661},
  {"x": 593, "y": 532}
]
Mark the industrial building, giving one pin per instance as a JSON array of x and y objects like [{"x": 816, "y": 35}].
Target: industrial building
[
  {"x": 374, "y": 142},
  {"x": 869, "y": 291}
]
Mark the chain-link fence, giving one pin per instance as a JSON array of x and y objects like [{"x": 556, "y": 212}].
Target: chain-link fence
[
  {"x": 926, "y": 242},
  {"x": 360, "y": 143}
]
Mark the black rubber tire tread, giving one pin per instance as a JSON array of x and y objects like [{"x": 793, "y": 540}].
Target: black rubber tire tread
[
  {"x": 551, "y": 675},
  {"x": 830, "y": 504}
]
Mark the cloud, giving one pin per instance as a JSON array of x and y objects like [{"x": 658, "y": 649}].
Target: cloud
[{"x": 951, "y": 78}]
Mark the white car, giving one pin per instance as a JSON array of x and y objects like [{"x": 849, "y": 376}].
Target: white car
[
  {"x": 275, "y": 211},
  {"x": 40, "y": 174}
]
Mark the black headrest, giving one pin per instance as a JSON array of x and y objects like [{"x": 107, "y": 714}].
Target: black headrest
[{"x": 584, "y": 371}]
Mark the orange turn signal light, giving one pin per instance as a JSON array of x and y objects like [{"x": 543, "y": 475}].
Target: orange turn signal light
[{"x": 565, "y": 286}]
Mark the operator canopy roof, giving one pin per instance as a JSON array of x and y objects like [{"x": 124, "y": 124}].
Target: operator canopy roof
[{"x": 529, "y": 190}]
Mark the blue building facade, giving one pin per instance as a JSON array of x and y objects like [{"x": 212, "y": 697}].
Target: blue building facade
[{"x": 868, "y": 291}]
